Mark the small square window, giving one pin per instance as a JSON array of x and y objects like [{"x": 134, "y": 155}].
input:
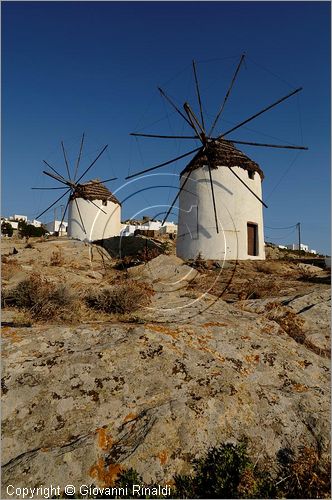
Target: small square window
[
  {"x": 105, "y": 203},
  {"x": 251, "y": 174}
]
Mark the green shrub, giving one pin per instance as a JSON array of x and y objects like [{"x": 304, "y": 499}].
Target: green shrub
[
  {"x": 226, "y": 471},
  {"x": 7, "y": 229},
  {"x": 26, "y": 230}
]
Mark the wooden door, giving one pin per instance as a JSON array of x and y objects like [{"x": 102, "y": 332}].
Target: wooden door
[{"x": 252, "y": 239}]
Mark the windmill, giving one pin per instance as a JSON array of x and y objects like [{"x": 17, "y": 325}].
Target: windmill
[
  {"x": 220, "y": 195},
  {"x": 94, "y": 213}
]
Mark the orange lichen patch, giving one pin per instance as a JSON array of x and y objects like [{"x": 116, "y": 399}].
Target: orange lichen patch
[
  {"x": 5, "y": 329},
  {"x": 214, "y": 353},
  {"x": 269, "y": 329},
  {"x": 252, "y": 358},
  {"x": 44, "y": 449},
  {"x": 11, "y": 334},
  {"x": 105, "y": 476},
  {"x": 162, "y": 329},
  {"x": 175, "y": 349},
  {"x": 300, "y": 387},
  {"x": 105, "y": 440},
  {"x": 245, "y": 337},
  {"x": 213, "y": 323},
  {"x": 304, "y": 363},
  {"x": 201, "y": 340},
  {"x": 130, "y": 416},
  {"x": 162, "y": 455}
]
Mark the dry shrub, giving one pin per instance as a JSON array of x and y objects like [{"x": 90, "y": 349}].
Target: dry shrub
[
  {"x": 248, "y": 291},
  {"x": 148, "y": 254},
  {"x": 43, "y": 299},
  {"x": 306, "y": 476},
  {"x": 57, "y": 258},
  {"x": 256, "y": 288},
  {"x": 9, "y": 268},
  {"x": 142, "y": 257},
  {"x": 123, "y": 298}
]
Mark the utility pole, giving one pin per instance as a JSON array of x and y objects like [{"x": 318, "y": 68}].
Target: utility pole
[
  {"x": 299, "y": 233},
  {"x": 61, "y": 226}
]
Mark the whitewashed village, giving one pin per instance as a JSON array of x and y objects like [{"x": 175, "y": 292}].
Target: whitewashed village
[
  {"x": 145, "y": 226},
  {"x": 180, "y": 349}
]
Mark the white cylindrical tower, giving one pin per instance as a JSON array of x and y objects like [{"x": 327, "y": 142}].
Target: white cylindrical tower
[
  {"x": 239, "y": 212},
  {"x": 101, "y": 219}
]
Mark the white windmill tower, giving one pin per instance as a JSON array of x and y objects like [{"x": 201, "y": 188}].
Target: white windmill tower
[
  {"x": 220, "y": 205},
  {"x": 94, "y": 213},
  {"x": 235, "y": 229}
]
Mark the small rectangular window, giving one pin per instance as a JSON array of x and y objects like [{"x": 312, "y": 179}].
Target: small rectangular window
[
  {"x": 105, "y": 203},
  {"x": 251, "y": 174}
]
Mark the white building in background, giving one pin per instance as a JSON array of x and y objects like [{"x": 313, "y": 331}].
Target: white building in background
[
  {"x": 94, "y": 213},
  {"x": 127, "y": 229},
  {"x": 150, "y": 225},
  {"x": 169, "y": 228},
  {"x": 14, "y": 219},
  {"x": 239, "y": 213},
  {"x": 55, "y": 227},
  {"x": 35, "y": 223},
  {"x": 19, "y": 217},
  {"x": 295, "y": 246}
]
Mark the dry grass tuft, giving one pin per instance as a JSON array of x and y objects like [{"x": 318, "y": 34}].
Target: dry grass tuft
[
  {"x": 9, "y": 268},
  {"x": 255, "y": 289},
  {"x": 123, "y": 298},
  {"x": 57, "y": 257},
  {"x": 307, "y": 476},
  {"x": 43, "y": 299}
]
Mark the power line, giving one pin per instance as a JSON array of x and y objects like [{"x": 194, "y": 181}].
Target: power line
[{"x": 288, "y": 227}]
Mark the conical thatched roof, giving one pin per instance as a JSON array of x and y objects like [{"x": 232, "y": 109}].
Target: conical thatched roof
[
  {"x": 222, "y": 153},
  {"x": 94, "y": 190}
]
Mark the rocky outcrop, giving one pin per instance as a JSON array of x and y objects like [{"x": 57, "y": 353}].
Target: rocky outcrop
[
  {"x": 308, "y": 317},
  {"x": 80, "y": 403},
  {"x": 166, "y": 273}
]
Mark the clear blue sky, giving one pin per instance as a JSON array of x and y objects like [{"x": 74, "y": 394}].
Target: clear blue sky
[{"x": 94, "y": 67}]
